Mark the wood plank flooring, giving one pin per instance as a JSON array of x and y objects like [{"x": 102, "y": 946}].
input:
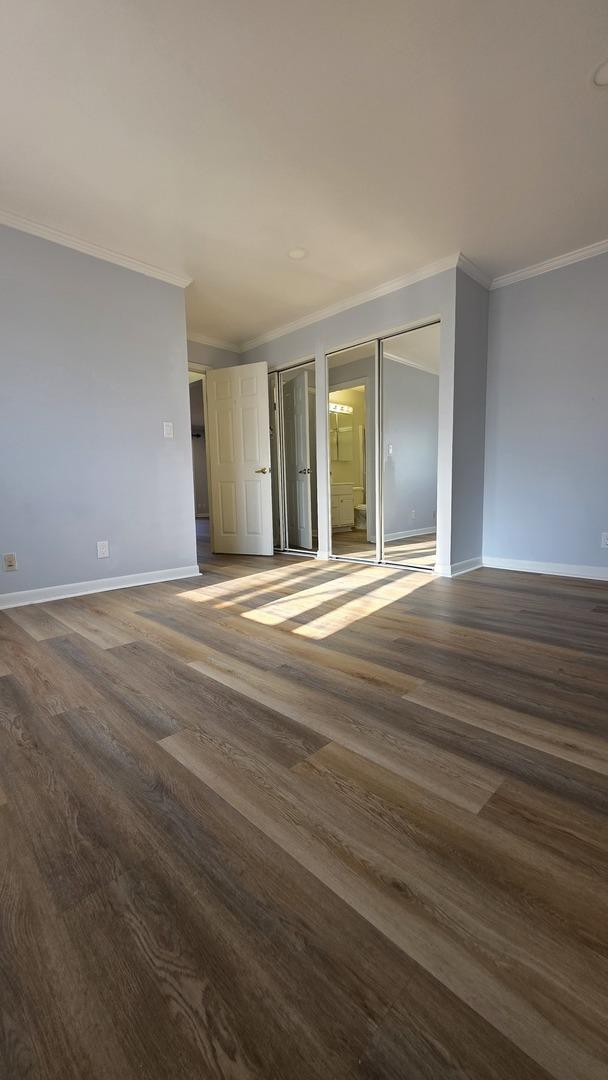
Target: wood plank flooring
[
  {"x": 418, "y": 550},
  {"x": 295, "y": 820}
]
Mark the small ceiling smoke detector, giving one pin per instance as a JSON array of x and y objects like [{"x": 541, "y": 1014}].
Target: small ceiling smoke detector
[
  {"x": 297, "y": 253},
  {"x": 600, "y": 75}
]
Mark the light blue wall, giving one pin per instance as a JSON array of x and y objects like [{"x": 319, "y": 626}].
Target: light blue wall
[
  {"x": 409, "y": 472},
  {"x": 211, "y": 356},
  {"x": 546, "y": 480},
  {"x": 471, "y": 344},
  {"x": 92, "y": 361},
  {"x": 419, "y": 302}
]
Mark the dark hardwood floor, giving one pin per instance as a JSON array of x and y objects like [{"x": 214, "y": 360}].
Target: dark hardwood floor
[{"x": 295, "y": 820}]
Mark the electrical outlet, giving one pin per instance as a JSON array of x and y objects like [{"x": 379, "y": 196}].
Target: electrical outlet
[
  {"x": 413, "y": 515},
  {"x": 9, "y": 561},
  {"x": 103, "y": 549},
  {"x": 168, "y": 429},
  {"x": 604, "y": 540}
]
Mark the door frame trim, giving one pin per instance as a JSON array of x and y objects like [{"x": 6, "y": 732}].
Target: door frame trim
[{"x": 282, "y": 478}]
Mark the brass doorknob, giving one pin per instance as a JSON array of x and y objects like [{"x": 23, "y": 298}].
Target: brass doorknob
[{"x": 264, "y": 470}]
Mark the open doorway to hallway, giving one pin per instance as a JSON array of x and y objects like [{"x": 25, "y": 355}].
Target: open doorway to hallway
[{"x": 202, "y": 505}]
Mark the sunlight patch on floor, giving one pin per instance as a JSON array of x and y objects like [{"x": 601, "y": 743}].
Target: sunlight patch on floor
[
  {"x": 348, "y": 611},
  {"x": 290, "y": 607},
  {"x": 361, "y": 607},
  {"x": 226, "y": 593}
]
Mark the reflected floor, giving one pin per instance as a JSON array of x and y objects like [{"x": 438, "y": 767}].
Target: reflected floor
[{"x": 413, "y": 550}]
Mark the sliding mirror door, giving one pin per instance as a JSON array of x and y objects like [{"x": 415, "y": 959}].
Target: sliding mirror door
[
  {"x": 410, "y": 409},
  {"x": 352, "y": 407},
  {"x": 297, "y": 391}
]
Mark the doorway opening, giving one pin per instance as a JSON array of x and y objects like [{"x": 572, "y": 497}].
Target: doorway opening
[
  {"x": 383, "y": 408},
  {"x": 202, "y": 506}
]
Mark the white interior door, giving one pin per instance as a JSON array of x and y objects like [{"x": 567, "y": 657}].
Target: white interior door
[
  {"x": 238, "y": 448},
  {"x": 297, "y": 459}
]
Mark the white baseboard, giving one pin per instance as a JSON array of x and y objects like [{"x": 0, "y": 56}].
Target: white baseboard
[
  {"x": 454, "y": 569},
  {"x": 592, "y": 573},
  {"x": 410, "y": 532},
  {"x": 81, "y": 588}
]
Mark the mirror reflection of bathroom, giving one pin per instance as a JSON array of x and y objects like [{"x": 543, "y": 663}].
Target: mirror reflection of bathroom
[
  {"x": 297, "y": 389},
  {"x": 410, "y": 404},
  {"x": 351, "y": 404}
]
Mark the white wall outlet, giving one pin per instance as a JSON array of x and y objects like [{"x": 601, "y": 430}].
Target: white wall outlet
[
  {"x": 9, "y": 561},
  {"x": 168, "y": 429},
  {"x": 604, "y": 540},
  {"x": 413, "y": 515},
  {"x": 103, "y": 549}
]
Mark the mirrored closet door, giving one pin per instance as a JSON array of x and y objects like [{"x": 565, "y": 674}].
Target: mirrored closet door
[
  {"x": 296, "y": 387},
  {"x": 383, "y": 410}
]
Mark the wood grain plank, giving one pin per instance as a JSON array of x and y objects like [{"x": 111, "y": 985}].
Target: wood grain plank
[
  {"x": 292, "y": 819},
  {"x": 218, "y": 916},
  {"x": 38, "y": 622},
  {"x": 578, "y": 835},
  {"x": 376, "y": 733},
  {"x": 65, "y": 838},
  {"x": 429, "y": 1034},
  {"x": 560, "y": 740},
  {"x": 86, "y": 616},
  {"x": 53, "y": 1026},
  {"x": 363, "y": 870}
]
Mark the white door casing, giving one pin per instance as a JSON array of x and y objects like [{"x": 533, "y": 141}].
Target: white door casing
[{"x": 238, "y": 448}]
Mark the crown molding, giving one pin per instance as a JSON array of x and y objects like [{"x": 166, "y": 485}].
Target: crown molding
[
  {"x": 430, "y": 270},
  {"x": 215, "y": 343},
  {"x": 56, "y": 236},
  {"x": 551, "y": 264},
  {"x": 473, "y": 271},
  {"x": 408, "y": 363}
]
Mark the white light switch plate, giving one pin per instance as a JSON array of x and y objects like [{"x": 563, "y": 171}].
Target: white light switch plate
[
  {"x": 604, "y": 540},
  {"x": 9, "y": 561},
  {"x": 168, "y": 429}
]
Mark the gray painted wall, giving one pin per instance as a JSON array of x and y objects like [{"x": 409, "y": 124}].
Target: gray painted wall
[
  {"x": 211, "y": 356},
  {"x": 546, "y": 487},
  {"x": 469, "y": 419},
  {"x": 92, "y": 361}
]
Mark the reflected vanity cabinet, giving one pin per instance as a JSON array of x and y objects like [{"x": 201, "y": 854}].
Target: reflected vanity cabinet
[{"x": 342, "y": 506}]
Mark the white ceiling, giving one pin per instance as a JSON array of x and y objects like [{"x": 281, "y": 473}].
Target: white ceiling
[{"x": 209, "y": 138}]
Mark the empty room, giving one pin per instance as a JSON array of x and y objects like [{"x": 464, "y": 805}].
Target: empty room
[{"x": 303, "y": 540}]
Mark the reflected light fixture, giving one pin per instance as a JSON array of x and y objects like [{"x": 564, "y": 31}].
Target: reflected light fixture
[
  {"x": 297, "y": 253},
  {"x": 334, "y": 406}
]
